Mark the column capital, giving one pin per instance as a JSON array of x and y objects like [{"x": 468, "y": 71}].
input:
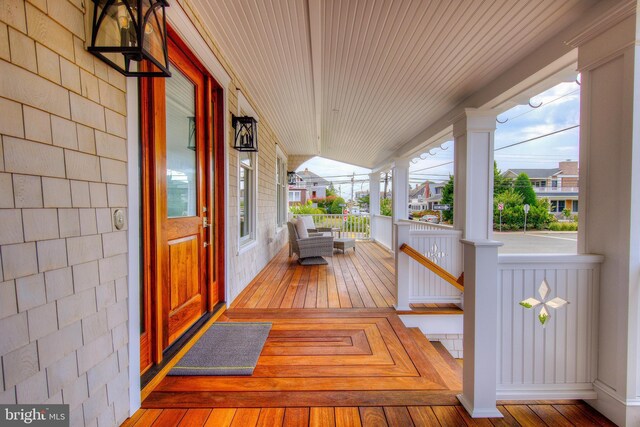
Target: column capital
[
  {"x": 401, "y": 163},
  {"x": 607, "y": 17},
  {"x": 474, "y": 119}
]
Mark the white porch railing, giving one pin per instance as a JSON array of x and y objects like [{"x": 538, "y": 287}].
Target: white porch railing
[
  {"x": 555, "y": 189},
  {"x": 383, "y": 230},
  {"x": 355, "y": 226},
  {"x": 420, "y": 225},
  {"x": 417, "y": 284},
  {"x": 557, "y": 361}
]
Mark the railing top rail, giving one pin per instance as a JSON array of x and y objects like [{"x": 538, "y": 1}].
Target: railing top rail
[
  {"x": 458, "y": 283},
  {"x": 426, "y": 224}
]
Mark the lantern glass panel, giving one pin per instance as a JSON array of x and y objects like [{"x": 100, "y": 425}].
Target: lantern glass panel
[{"x": 126, "y": 32}]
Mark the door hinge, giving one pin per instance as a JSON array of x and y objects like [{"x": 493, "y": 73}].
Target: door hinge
[{"x": 205, "y": 224}]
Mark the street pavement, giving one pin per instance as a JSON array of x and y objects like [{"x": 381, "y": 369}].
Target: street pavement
[{"x": 532, "y": 242}]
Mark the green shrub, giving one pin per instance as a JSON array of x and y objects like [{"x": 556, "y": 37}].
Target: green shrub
[
  {"x": 306, "y": 209},
  {"x": 335, "y": 207},
  {"x": 563, "y": 226}
]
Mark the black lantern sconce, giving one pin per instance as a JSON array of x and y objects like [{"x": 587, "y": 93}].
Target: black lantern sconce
[
  {"x": 126, "y": 31},
  {"x": 291, "y": 178},
  {"x": 246, "y": 130}
]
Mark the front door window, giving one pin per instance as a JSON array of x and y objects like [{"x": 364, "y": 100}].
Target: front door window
[{"x": 181, "y": 146}]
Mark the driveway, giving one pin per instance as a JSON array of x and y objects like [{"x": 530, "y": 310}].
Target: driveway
[{"x": 517, "y": 242}]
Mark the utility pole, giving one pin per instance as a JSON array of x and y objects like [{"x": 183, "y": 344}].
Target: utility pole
[{"x": 353, "y": 177}]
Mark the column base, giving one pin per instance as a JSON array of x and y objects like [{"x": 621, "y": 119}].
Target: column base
[{"x": 490, "y": 412}]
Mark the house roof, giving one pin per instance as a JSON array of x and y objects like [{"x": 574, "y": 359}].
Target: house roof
[
  {"x": 309, "y": 178},
  {"x": 534, "y": 173},
  {"x": 418, "y": 190}
]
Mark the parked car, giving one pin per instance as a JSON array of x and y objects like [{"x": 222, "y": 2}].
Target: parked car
[{"x": 433, "y": 219}]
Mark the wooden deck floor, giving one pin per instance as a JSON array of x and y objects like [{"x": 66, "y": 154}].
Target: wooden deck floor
[
  {"x": 337, "y": 355},
  {"x": 358, "y": 357},
  {"x": 534, "y": 414},
  {"x": 361, "y": 278}
]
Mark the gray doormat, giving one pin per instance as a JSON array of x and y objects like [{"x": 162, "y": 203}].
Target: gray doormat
[
  {"x": 227, "y": 348},
  {"x": 312, "y": 260}
]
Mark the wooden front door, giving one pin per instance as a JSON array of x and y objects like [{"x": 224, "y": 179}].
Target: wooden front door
[
  {"x": 182, "y": 206},
  {"x": 180, "y": 117}
]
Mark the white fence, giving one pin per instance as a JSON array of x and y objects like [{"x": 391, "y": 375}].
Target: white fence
[
  {"x": 355, "y": 226},
  {"x": 383, "y": 230},
  {"x": 556, "y": 361}
]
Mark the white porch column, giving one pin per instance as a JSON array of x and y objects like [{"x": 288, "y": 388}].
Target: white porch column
[
  {"x": 473, "y": 173},
  {"x": 473, "y": 214},
  {"x": 403, "y": 264},
  {"x": 480, "y": 331},
  {"x": 374, "y": 202},
  {"x": 399, "y": 196},
  {"x": 609, "y": 62},
  {"x": 400, "y": 189}
]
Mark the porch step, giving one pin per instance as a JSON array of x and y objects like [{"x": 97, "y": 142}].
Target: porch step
[
  {"x": 445, "y": 364},
  {"x": 453, "y": 363},
  {"x": 432, "y": 309}
]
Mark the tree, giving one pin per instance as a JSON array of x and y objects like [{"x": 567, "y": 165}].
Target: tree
[
  {"x": 335, "y": 207},
  {"x": 385, "y": 207},
  {"x": 523, "y": 186},
  {"x": 364, "y": 201},
  {"x": 331, "y": 190},
  {"x": 500, "y": 183},
  {"x": 447, "y": 199}
]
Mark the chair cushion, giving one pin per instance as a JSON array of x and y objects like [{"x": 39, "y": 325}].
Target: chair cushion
[
  {"x": 308, "y": 222},
  {"x": 301, "y": 228}
]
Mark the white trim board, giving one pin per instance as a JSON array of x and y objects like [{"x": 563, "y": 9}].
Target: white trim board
[
  {"x": 545, "y": 391},
  {"x": 133, "y": 240},
  {"x": 185, "y": 29},
  {"x": 432, "y": 324}
]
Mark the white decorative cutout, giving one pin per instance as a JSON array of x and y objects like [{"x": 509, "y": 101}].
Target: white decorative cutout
[
  {"x": 435, "y": 253},
  {"x": 555, "y": 303}
]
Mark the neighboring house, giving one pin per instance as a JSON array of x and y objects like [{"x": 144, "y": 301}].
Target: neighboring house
[
  {"x": 308, "y": 186},
  {"x": 425, "y": 195},
  {"x": 559, "y": 185}
]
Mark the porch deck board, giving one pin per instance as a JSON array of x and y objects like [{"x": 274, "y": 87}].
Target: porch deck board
[
  {"x": 361, "y": 278},
  {"x": 442, "y": 415},
  {"x": 337, "y": 355}
]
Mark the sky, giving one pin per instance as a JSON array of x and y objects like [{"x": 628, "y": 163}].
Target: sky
[{"x": 558, "y": 108}]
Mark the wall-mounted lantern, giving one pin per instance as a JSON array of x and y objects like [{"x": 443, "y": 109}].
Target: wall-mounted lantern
[
  {"x": 246, "y": 133},
  {"x": 126, "y": 32}
]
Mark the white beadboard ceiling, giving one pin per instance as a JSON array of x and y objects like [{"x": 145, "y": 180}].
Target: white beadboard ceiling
[{"x": 387, "y": 68}]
